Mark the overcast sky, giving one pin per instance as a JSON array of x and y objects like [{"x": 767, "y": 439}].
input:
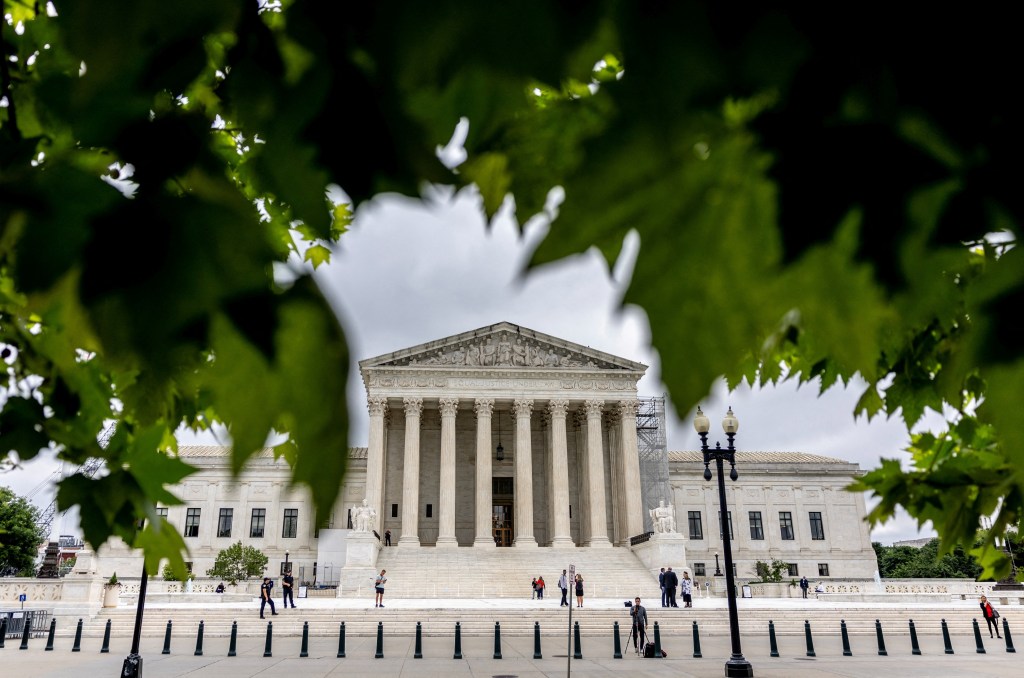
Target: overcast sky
[{"x": 408, "y": 273}]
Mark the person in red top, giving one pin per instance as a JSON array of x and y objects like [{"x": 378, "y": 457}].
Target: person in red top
[
  {"x": 991, "y": 616},
  {"x": 540, "y": 587}
]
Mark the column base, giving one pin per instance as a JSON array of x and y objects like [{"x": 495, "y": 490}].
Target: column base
[
  {"x": 408, "y": 542},
  {"x": 598, "y": 543},
  {"x": 525, "y": 542},
  {"x": 563, "y": 543},
  {"x": 484, "y": 543},
  {"x": 447, "y": 542}
]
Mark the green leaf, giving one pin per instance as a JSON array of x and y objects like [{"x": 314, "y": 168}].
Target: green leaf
[{"x": 317, "y": 255}]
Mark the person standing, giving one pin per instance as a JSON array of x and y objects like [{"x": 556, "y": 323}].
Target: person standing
[
  {"x": 671, "y": 582},
  {"x": 540, "y": 588},
  {"x": 639, "y": 632},
  {"x": 287, "y": 590},
  {"x": 579, "y": 590},
  {"x": 661, "y": 583},
  {"x": 686, "y": 585},
  {"x": 803, "y": 585},
  {"x": 534, "y": 585},
  {"x": 991, "y": 617},
  {"x": 378, "y": 586},
  {"x": 387, "y": 537},
  {"x": 563, "y": 583},
  {"x": 265, "y": 597}
]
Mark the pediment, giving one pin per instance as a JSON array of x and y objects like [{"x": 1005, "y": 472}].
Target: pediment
[{"x": 503, "y": 346}]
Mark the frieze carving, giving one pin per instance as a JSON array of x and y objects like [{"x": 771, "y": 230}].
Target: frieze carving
[
  {"x": 499, "y": 383},
  {"x": 504, "y": 349}
]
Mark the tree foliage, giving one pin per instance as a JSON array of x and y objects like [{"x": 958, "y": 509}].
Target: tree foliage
[
  {"x": 20, "y": 536},
  {"x": 815, "y": 198},
  {"x": 908, "y": 562},
  {"x": 238, "y": 563},
  {"x": 771, "y": 572}
]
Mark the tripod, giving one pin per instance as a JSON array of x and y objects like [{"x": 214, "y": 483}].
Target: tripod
[{"x": 638, "y": 636}]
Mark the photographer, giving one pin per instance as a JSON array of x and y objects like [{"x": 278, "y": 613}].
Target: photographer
[{"x": 638, "y": 634}]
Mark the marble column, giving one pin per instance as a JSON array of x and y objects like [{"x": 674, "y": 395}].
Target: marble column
[
  {"x": 632, "y": 494},
  {"x": 375, "y": 458},
  {"x": 524, "y": 474},
  {"x": 483, "y": 538},
  {"x": 595, "y": 474},
  {"x": 411, "y": 473},
  {"x": 446, "y": 522},
  {"x": 560, "y": 530}
]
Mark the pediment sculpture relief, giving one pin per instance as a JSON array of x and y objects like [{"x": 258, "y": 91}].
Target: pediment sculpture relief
[{"x": 504, "y": 349}]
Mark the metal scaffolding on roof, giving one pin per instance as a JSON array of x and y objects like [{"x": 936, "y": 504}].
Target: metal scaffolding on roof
[{"x": 653, "y": 449}]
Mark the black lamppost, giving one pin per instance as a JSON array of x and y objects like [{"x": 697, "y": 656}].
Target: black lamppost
[
  {"x": 718, "y": 570},
  {"x": 132, "y": 667},
  {"x": 737, "y": 664},
  {"x": 286, "y": 568}
]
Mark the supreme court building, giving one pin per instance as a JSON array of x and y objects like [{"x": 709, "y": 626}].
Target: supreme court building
[{"x": 507, "y": 438}]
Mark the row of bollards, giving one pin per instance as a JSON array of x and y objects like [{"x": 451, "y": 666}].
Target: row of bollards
[{"x": 915, "y": 647}]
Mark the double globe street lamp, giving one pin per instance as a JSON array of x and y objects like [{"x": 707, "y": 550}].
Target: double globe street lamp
[{"x": 737, "y": 664}]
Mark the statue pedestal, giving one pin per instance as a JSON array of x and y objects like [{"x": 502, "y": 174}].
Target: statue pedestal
[
  {"x": 663, "y": 550},
  {"x": 361, "y": 549}
]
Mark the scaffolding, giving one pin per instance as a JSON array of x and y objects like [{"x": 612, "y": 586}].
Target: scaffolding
[{"x": 653, "y": 449}]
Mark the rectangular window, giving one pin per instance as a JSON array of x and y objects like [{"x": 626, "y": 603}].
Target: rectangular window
[
  {"x": 698, "y": 570},
  {"x": 192, "y": 523},
  {"x": 258, "y": 523},
  {"x": 162, "y": 512},
  {"x": 794, "y": 571},
  {"x": 430, "y": 510},
  {"x": 786, "y": 524},
  {"x": 224, "y": 522},
  {"x": 290, "y": 528},
  {"x": 728, "y": 517},
  {"x": 756, "y": 529},
  {"x": 394, "y": 510},
  {"x": 822, "y": 569},
  {"x": 817, "y": 526},
  {"x": 696, "y": 529}
]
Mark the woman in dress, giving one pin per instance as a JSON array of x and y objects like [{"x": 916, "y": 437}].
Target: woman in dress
[{"x": 579, "y": 590}]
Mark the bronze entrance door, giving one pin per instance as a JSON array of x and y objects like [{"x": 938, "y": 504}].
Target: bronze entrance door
[{"x": 503, "y": 512}]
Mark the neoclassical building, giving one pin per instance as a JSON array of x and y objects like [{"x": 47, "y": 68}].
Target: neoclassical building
[{"x": 507, "y": 438}]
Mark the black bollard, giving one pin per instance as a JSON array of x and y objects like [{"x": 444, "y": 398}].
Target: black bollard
[
  {"x": 379, "y": 654},
  {"x": 536, "y": 641},
  {"x": 49, "y": 638},
  {"x": 199, "y": 640},
  {"x": 846, "y": 639},
  {"x": 807, "y": 637},
  {"x": 1006, "y": 635},
  {"x": 945, "y": 638},
  {"x": 3, "y": 629},
  {"x": 618, "y": 644},
  {"x": 881, "y": 639},
  {"x": 28, "y": 630},
  {"x": 696, "y": 642},
  {"x": 577, "y": 647},
  {"x": 106, "y": 639},
  {"x": 914, "y": 647},
  {"x": 167, "y": 639},
  {"x": 341, "y": 641},
  {"x": 77, "y": 647},
  {"x": 497, "y": 640},
  {"x": 458, "y": 641},
  {"x": 233, "y": 645},
  {"x": 657, "y": 641},
  {"x": 418, "y": 651},
  {"x": 267, "y": 648},
  {"x": 304, "y": 650},
  {"x": 772, "y": 643},
  {"x": 977, "y": 637}
]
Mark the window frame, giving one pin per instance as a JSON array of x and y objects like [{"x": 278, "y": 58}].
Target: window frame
[
  {"x": 692, "y": 516},
  {"x": 193, "y": 516},
  {"x": 786, "y": 522},
  {"x": 699, "y": 570},
  {"x": 817, "y": 525},
  {"x": 794, "y": 569},
  {"x": 755, "y": 521},
  {"x": 823, "y": 569},
  {"x": 261, "y": 514},
  {"x": 229, "y": 513},
  {"x": 728, "y": 517},
  {"x": 290, "y": 519}
]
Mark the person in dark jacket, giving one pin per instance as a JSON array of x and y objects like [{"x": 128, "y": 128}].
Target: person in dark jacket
[
  {"x": 671, "y": 583},
  {"x": 991, "y": 617},
  {"x": 661, "y": 583},
  {"x": 639, "y": 631}
]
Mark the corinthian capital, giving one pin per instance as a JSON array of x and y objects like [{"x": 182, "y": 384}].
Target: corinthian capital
[
  {"x": 523, "y": 407},
  {"x": 628, "y": 408},
  {"x": 483, "y": 406},
  {"x": 558, "y": 408},
  {"x": 593, "y": 408},
  {"x": 413, "y": 406},
  {"x": 378, "y": 406},
  {"x": 448, "y": 406}
]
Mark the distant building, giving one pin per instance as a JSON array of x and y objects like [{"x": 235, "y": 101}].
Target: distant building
[{"x": 916, "y": 543}]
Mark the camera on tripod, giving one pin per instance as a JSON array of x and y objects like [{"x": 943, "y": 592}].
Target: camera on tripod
[{"x": 628, "y": 603}]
